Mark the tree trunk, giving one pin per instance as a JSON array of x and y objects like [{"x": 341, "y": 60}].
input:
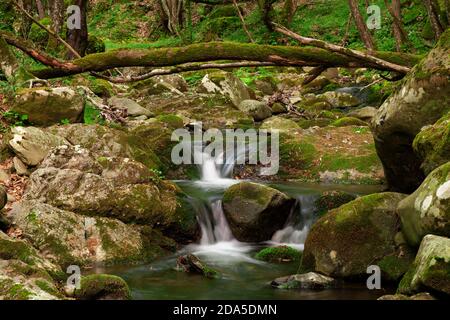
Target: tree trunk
[
  {"x": 40, "y": 9},
  {"x": 364, "y": 33},
  {"x": 78, "y": 38},
  {"x": 434, "y": 18},
  {"x": 172, "y": 11},
  {"x": 400, "y": 34},
  {"x": 57, "y": 13},
  {"x": 25, "y": 23}
]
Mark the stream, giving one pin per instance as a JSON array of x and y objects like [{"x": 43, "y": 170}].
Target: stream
[{"x": 243, "y": 277}]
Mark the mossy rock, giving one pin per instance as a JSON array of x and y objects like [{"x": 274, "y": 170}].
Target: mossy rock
[
  {"x": 432, "y": 144},
  {"x": 279, "y": 123},
  {"x": 329, "y": 200},
  {"x": 317, "y": 122},
  {"x": 102, "y": 287},
  {"x": 172, "y": 120},
  {"x": 347, "y": 240},
  {"x": 349, "y": 121},
  {"x": 431, "y": 268},
  {"x": 101, "y": 88},
  {"x": 279, "y": 254}
]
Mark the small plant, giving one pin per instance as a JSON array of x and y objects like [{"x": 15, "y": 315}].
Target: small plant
[
  {"x": 65, "y": 121},
  {"x": 16, "y": 119},
  {"x": 158, "y": 175}
]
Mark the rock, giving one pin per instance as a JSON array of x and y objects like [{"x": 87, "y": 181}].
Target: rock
[
  {"x": 3, "y": 197},
  {"x": 257, "y": 109},
  {"x": 132, "y": 107},
  {"x": 20, "y": 167},
  {"x": 279, "y": 123},
  {"x": 4, "y": 175},
  {"x": 363, "y": 232},
  {"x": 279, "y": 254},
  {"x": 421, "y": 100},
  {"x": 310, "y": 280},
  {"x": 267, "y": 87},
  {"x": 31, "y": 144},
  {"x": 329, "y": 200},
  {"x": 427, "y": 210},
  {"x": 227, "y": 84},
  {"x": 339, "y": 99},
  {"x": 348, "y": 121},
  {"x": 102, "y": 287},
  {"x": 278, "y": 108},
  {"x": 192, "y": 264},
  {"x": 255, "y": 211},
  {"x": 432, "y": 144},
  {"x": 431, "y": 268},
  {"x": 67, "y": 238},
  {"x": 156, "y": 86},
  {"x": 175, "y": 80},
  {"x": 50, "y": 105},
  {"x": 419, "y": 296},
  {"x": 365, "y": 114}
]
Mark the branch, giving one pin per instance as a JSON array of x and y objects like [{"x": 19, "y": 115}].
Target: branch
[
  {"x": 359, "y": 55},
  {"x": 244, "y": 26},
  {"x": 184, "y": 68}
]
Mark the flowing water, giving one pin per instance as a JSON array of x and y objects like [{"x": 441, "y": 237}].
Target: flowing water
[{"x": 244, "y": 277}]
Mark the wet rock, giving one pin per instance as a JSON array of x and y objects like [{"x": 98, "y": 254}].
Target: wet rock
[
  {"x": 255, "y": 211},
  {"x": 279, "y": 254},
  {"x": 421, "y": 100},
  {"x": 431, "y": 268},
  {"x": 50, "y": 105},
  {"x": 329, "y": 200},
  {"x": 31, "y": 144},
  {"x": 132, "y": 107},
  {"x": 310, "y": 280},
  {"x": 363, "y": 232},
  {"x": 192, "y": 264},
  {"x": 432, "y": 144},
  {"x": 102, "y": 287},
  {"x": 427, "y": 210},
  {"x": 257, "y": 109}
]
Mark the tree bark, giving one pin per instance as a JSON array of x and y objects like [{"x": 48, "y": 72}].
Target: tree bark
[
  {"x": 364, "y": 33},
  {"x": 78, "y": 38},
  {"x": 434, "y": 18},
  {"x": 40, "y": 9},
  {"x": 57, "y": 13}
]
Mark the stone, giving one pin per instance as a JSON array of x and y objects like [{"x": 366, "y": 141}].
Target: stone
[
  {"x": 365, "y": 114},
  {"x": 20, "y": 167},
  {"x": 427, "y": 210},
  {"x": 431, "y": 268},
  {"x": 257, "y": 109},
  {"x": 279, "y": 254},
  {"x": 102, "y": 287},
  {"x": 192, "y": 264},
  {"x": 349, "y": 121},
  {"x": 47, "y": 106},
  {"x": 363, "y": 232},
  {"x": 332, "y": 199},
  {"x": 310, "y": 280},
  {"x": 4, "y": 175},
  {"x": 255, "y": 212},
  {"x": 32, "y": 144},
  {"x": 3, "y": 197},
  {"x": 132, "y": 107},
  {"x": 339, "y": 99},
  {"x": 279, "y": 123},
  {"x": 278, "y": 108}
]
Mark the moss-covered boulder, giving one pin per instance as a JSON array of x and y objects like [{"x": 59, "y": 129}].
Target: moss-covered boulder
[
  {"x": 365, "y": 114},
  {"x": 431, "y": 268},
  {"x": 49, "y": 106},
  {"x": 329, "y": 200},
  {"x": 132, "y": 107},
  {"x": 66, "y": 238},
  {"x": 255, "y": 211},
  {"x": 257, "y": 109},
  {"x": 427, "y": 210},
  {"x": 432, "y": 144},
  {"x": 192, "y": 264},
  {"x": 363, "y": 232},
  {"x": 339, "y": 99},
  {"x": 226, "y": 84},
  {"x": 348, "y": 121},
  {"x": 310, "y": 280},
  {"x": 102, "y": 287},
  {"x": 420, "y": 100},
  {"x": 279, "y": 123},
  {"x": 279, "y": 254},
  {"x": 31, "y": 144}
]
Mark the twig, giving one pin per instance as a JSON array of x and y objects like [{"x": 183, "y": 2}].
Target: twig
[{"x": 244, "y": 26}]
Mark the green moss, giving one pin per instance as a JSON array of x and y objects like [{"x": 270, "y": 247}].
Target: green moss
[
  {"x": 298, "y": 154},
  {"x": 394, "y": 266},
  {"x": 279, "y": 254},
  {"x": 48, "y": 287},
  {"x": 348, "y": 121},
  {"x": 332, "y": 199},
  {"x": 172, "y": 120},
  {"x": 101, "y": 286},
  {"x": 19, "y": 292}
]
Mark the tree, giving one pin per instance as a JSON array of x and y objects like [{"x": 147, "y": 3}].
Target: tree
[
  {"x": 172, "y": 15},
  {"x": 57, "y": 14},
  {"x": 433, "y": 10},
  {"x": 364, "y": 33},
  {"x": 40, "y": 8},
  {"x": 78, "y": 38},
  {"x": 400, "y": 34}
]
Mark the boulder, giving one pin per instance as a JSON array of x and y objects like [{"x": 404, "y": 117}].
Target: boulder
[
  {"x": 31, "y": 144},
  {"x": 47, "y": 106},
  {"x": 363, "y": 232},
  {"x": 348, "y": 121},
  {"x": 192, "y": 264},
  {"x": 102, "y": 287},
  {"x": 227, "y": 84},
  {"x": 310, "y": 280},
  {"x": 3, "y": 197},
  {"x": 427, "y": 210},
  {"x": 432, "y": 144},
  {"x": 278, "y": 108},
  {"x": 365, "y": 114},
  {"x": 419, "y": 296},
  {"x": 329, "y": 200},
  {"x": 421, "y": 100},
  {"x": 339, "y": 99},
  {"x": 279, "y": 123},
  {"x": 257, "y": 109},
  {"x": 132, "y": 107},
  {"x": 431, "y": 268},
  {"x": 20, "y": 167},
  {"x": 255, "y": 212},
  {"x": 66, "y": 238}
]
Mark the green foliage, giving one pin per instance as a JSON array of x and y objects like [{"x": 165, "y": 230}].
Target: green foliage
[
  {"x": 16, "y": 119},
  {"x": 92, "y": 115},
  {"x": 279, "y": 254}
]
